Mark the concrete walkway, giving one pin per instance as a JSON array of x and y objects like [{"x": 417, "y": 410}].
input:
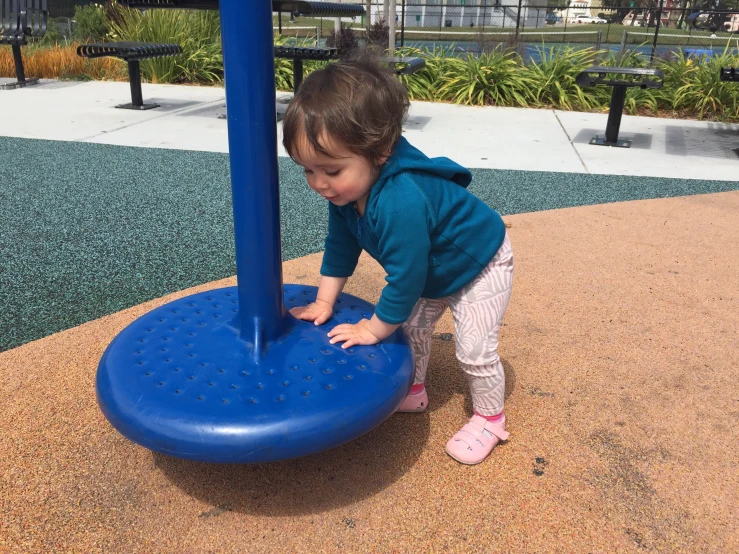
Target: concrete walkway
[
  {"x": 620, "y": 347},
  {"x": 490, "y": 137}
]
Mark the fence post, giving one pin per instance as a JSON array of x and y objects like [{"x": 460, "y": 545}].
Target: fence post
[
  {"x": 623, "y": 41},
  {"x": 656, "y": 31},
  {"x": 391, "y": 28},
  {"x": 337, "y": 26},
  {"x": 402, "y": 24},
  {"x": 518, "y": 18}
]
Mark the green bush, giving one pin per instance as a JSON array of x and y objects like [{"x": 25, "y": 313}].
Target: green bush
[
  {"x": 552, "y": 81},
  {"x": 425, "y": 83},
  {"x": 52, "y": 36},
  {"x": 694, "y": 85},
  {"x": 493, "y": 78},
  {"x": 90, "y": 23}
]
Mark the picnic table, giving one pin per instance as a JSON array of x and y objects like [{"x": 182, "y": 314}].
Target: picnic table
[{"x": 620, "y": 78}]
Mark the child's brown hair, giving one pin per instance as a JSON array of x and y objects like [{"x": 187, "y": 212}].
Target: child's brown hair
[{"x": 355, "y": 102}]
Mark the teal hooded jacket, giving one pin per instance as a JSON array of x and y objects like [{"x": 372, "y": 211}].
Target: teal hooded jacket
[{"x": 428, "y": 232}]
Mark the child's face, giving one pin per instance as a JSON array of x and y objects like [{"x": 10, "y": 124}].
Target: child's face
[{"x": 343, "y": 179}]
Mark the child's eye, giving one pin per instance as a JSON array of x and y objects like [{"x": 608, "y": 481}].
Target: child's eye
[{"x": 333, "y": 173}]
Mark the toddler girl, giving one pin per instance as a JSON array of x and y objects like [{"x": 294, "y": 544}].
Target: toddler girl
[{"x": 440, "y": 245}]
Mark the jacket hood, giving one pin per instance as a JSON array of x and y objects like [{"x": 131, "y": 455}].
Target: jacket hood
[{"x": 406, "y": 157}]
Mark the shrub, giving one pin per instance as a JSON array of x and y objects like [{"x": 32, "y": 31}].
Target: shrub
[
  {"x": 424, "y": 84},
  {"x": 552, "y": 80},
  {"x": 345, "y": 40},
  {"x": 53, "y": 35},
  {"x": 91, "y": 23},
  {"x": 495, "y": 78},
  {"x": 695, "y": 85},
  {"x": 378, "y": 36}
]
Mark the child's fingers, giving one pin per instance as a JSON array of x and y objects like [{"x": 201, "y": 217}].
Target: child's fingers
[
  {"x": 340, "y": 336},
  {"x": 323, "y": 317},
  {"x": 303, "y": 313},
  {"x": 343, "y": 328},
  {"x": 350, "y": 342}
]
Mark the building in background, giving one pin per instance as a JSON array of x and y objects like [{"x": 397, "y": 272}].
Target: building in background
[{"x": 440, "y": 14}]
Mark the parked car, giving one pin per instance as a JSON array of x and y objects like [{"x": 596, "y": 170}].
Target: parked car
[
  {"x": 732, "y": 24},
  {"x": 599, "y": 20},
  {"x": 583, "y": 19},
  {"x": 553, "y": 19}
]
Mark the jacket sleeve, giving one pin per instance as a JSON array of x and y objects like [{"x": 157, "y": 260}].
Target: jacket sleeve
[
  {"x": 342, "y": 249},
  {"x": 404, "y": 224}
]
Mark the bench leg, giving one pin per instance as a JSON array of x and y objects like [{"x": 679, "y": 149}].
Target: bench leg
[
  {"x": 297, "y": 73},
  {"x": 19, "y": 72},
  {"x": 137, "y": 99},
  {"x": 618, "y": 96}
]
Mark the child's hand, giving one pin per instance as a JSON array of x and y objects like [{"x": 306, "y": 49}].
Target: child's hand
[
  {"x": 319, "y": 312},
  {"x": 351, "y": 334}
]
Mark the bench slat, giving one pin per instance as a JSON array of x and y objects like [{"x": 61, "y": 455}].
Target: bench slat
[
  {"x": 128, "y": 51},
  {"x": 633, "y": 77},
  {"x": 306, "y": 53}
]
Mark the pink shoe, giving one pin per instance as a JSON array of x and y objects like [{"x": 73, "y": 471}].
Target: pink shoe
[
  {"x": 473, "y": 442},
  {"x": 415, "y": 402}
]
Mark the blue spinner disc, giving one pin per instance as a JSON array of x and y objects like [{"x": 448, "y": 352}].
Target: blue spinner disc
[{"x": 178, "y": 380}]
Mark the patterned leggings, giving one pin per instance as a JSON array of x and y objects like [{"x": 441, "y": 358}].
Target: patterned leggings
[{"x": 477, "y": 310}]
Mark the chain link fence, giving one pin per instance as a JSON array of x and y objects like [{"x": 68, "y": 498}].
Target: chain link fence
[{"x": 474, "y": 26}]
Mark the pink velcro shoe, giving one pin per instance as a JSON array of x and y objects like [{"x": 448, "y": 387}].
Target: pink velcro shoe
[
  {"x": 473, "y": 442},
  {"x": 415, "y": 402}
]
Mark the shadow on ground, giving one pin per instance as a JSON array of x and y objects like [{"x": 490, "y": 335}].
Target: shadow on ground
[{"x": 343, "y": 475}]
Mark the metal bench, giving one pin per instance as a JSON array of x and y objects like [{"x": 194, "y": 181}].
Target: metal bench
[
  {"x": 133, "y": 53},
  {"x": 620, "y": 78},
  {"x": 729, "y": 74},
  {"x": 402, "y": 65},
  {"x": 405, "y": 65},
  {"x": 19, "y": 21},
  {"x": 299, "y": 53}
]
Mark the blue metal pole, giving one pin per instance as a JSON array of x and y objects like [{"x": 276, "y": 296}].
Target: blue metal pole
[{"x": 248, "y": 59}]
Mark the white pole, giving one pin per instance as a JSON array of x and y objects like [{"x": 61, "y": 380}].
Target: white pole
[
  {"x": 337, "y": 24},
  {"x": 391, "y": 25}
]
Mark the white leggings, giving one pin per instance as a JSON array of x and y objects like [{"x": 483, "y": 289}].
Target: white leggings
[{"x": 477, "y": 310}]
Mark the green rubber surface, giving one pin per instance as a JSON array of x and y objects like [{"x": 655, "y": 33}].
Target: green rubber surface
[{"x": 87, "y": 230}]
